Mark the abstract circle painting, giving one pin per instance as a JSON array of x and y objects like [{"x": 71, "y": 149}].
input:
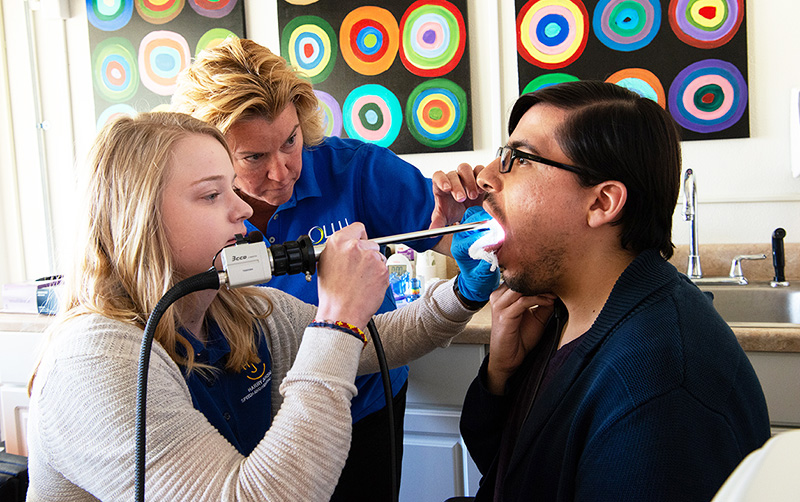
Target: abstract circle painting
[
  {"x": 114, "y": 71},
  {"x": 547, "y": 80},
  {"x": 626, "y": 25},
  {"x": 332, "y": 113},
  {"x": 162, "y": 55},
  {"x": 369, "y": 38},
  {"x": 642, "y": 82},
  {"x": 109, "y": 15},
  {"x": 159, "y": 11},
  {"x": 214, "y": 9},
  {"x": 436, "y": 113},
  {"x": 552, "y": 33},
  {"x": 432, "y": 37},
  {"x": 706, "y": 24},
  {"x": 212, "y": 38},
  {"x": 372, "y": 113},
  {"x": 309, "y": 43},
  {"x": 114, "y": 111},
  {"x": 708, "y": 96}
]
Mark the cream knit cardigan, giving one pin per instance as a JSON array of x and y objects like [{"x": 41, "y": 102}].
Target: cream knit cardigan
[{"x": 81, "y": 422}]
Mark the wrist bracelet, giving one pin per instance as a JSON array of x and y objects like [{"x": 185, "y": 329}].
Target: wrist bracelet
[
  {"x": 340, "y": 326},
  {"x": 466, "y": 302}
]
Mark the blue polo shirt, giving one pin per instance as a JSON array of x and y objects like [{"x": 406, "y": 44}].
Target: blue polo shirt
[
  {"x": 239, "y": 404},
  {"x": 344, "y": 181}
]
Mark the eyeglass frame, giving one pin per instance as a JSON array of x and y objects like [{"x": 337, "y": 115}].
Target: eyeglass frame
[{"x": 519, "y": 154}]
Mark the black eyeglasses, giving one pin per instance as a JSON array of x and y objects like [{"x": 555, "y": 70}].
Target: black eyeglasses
[{"x": 508, "y": 155}]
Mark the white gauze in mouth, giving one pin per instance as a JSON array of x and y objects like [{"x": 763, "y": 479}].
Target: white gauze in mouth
[{"x": 494, "y": 234}]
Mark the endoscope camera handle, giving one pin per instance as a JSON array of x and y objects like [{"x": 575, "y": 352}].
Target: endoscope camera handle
[
  {"x": 251, "y": 262},
  {"x": 778, "y": 258}
]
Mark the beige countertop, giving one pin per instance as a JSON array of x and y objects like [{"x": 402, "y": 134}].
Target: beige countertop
[{"x": 754, "y": 337}]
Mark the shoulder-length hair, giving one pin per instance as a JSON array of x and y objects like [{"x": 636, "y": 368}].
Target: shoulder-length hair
[
  {"x": 123, "y": 264},
  {"x": 240, "y": 79}
]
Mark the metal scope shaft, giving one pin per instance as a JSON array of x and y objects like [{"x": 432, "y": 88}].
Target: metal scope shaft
[{"x": 415, "y": 236}]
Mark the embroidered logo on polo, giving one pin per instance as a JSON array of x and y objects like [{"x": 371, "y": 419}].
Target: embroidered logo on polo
[
  {"x": 320, "y": 234},
  {"x": 261, "y": 376}
]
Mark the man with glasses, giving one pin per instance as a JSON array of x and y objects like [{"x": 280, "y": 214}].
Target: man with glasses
[{"x": 610, "y": 376}]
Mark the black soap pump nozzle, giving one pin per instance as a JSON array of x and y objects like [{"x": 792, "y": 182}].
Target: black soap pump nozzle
[{"x": 778, "y": 258}]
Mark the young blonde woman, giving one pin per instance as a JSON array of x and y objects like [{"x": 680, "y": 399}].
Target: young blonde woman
[{"x": 249, "y": 369}]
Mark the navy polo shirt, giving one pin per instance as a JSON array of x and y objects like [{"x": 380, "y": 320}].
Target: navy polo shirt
[
  {"x": 344, "y": 181},
  {"x": 239, "y": 405}
]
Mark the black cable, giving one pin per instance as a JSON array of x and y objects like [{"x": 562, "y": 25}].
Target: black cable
[
  {"x": 387, "y": 390},
  {"x": 206, "y": 280}
]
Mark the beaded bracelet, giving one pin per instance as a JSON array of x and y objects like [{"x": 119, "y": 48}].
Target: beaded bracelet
[{"x": 340, "y": 326}]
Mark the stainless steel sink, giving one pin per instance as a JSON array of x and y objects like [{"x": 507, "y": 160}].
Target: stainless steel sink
[{"x": 756, "y": 303}]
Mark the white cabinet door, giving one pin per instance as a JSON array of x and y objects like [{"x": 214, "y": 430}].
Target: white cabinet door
[
  {"x": 436, "y": 464},
  {"x": 779, "y": 374},
  {"x": 14, "y": 405}
]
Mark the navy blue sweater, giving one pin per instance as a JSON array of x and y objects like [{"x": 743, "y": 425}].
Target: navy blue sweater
[{"x": 658, "y": 401}]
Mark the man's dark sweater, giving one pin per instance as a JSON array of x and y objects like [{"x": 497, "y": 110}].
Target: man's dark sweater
[{"x": 657, "y": 401}]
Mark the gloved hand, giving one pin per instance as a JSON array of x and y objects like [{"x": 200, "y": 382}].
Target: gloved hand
[{"x": 476, "y": 280}]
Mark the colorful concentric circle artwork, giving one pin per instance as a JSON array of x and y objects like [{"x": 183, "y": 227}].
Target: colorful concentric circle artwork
[
  {"x": 708, "y": 96},
  {"x": 212, "y": 38},
  {"x": 159, "y": 11},
  {"x": 372, "y": 113},
  {"x": 109, "y": 15},
  {"x": 332, "y": 113},
  {"x": 547, "y": 80},
  {"x": 114, "y": 111},
  {"x": 552, "y": 33},
  {"x": 706, "y": 23},
  {"x": 114, "y": 71},
  {"x": 369, "y": 38},
  {"x": 432, "y": 37},
  {"x": 436, "y": 112},
  {"x": 642, "y": 82},
  {"x": 309, "y": 44},
  {"x": 162, "y": 55},
  {"x": 626, "y": 25},
  {"x": 214, "y": 9}
]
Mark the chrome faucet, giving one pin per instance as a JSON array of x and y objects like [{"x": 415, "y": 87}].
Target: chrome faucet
[{"x": 690, "y": 214}]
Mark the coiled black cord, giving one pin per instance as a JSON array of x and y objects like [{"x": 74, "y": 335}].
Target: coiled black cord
[
  {"x": 199, "y": 282},
  {"x": 387, "y": 391}
]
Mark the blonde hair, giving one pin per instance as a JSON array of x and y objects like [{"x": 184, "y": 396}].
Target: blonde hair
[
  {"x": 123, "y": 263},
  {"x": 240, "y": 79}
]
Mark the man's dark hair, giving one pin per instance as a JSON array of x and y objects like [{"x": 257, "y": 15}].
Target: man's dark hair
[{"x": 612, "y": 133}]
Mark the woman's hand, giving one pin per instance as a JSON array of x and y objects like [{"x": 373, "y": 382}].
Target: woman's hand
[
  {"x": 352, "y": 277},
  {"x": 517, "y": 325}
]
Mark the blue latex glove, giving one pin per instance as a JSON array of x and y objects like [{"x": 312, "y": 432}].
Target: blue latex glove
[{"x": 476, "y": 282}]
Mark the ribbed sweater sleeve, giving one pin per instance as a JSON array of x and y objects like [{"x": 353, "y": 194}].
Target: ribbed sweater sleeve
[{"x": 82, "y": 424}]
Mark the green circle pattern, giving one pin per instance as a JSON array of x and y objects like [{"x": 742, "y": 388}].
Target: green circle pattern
[
  {"x": 619, "y": 30},
  {"x": 690, "y": 19},
  {"x": 460, "y": 126},
  {"x": 115, "y": 46},
  {"x": 420, "y": 60},
  {"x": 711, "y": 89},
  {"x": 547, "y": 80}
]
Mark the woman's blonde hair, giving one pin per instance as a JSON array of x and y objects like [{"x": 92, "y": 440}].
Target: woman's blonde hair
[
  {"x": 123, "y": 264},
  {"x": 240, "y": 79}
]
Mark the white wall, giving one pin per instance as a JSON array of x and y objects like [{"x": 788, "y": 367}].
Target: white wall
[{"x": 745, "y": 186}]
